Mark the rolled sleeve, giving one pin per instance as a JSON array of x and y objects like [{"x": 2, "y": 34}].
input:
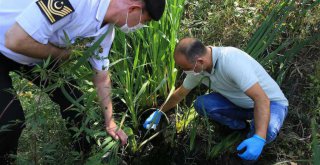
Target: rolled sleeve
[
  {"x": 101, "y": 61},
  {"x": 191, "y": 81}
]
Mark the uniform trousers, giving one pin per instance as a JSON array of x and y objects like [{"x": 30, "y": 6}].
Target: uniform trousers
[{"x": 12, "y": 116}]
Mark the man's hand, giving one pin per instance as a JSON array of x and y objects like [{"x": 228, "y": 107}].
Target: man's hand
[
  {"x": 103, "y": 84},
  {"x": 153, "y": 120},
  {"x": 174, "y": 99},
  {"x": 115, "y": 133},
  {"x": 254, "y": 147}
]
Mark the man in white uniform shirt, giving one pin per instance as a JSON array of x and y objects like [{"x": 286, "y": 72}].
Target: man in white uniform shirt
[
  {"x": 243, "y": 90},
  {"x": 33, "y": 30}
]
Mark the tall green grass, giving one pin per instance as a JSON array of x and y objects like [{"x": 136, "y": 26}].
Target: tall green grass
[
  {"x": 267, "y": 44},
  {"x": 146, "y": 71},
  {"x": 143, "y": 70}
]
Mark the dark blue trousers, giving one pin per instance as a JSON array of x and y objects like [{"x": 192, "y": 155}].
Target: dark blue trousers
[{"x": 220, "y": 109}]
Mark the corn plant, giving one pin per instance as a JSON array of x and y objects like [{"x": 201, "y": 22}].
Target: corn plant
[{"x": 146, "y": 69}]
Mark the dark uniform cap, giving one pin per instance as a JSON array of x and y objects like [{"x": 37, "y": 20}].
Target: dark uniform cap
[{"x": 155, "y": 8}]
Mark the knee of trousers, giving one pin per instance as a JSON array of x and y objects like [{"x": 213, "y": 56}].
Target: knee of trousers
[
  {"x": 272, "y": 133},
  {"x": 200, "y": 104}
]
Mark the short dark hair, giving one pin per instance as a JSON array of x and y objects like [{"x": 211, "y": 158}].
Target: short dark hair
[
  {"x": 155, "y": 8},
  {"x": 190, "y": 48}
]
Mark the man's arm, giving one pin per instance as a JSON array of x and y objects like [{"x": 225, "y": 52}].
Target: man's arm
[
  {"x": 21, "y": 42},
  {"x": 175, "y": 98},
  {"x": 102, "y": 82},
  {"x": 261, "y": 109}
]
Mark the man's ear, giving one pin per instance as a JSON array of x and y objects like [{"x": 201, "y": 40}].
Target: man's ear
[
  {"x": 201, "y": 60},
  {"x": 134, "y": 7}
]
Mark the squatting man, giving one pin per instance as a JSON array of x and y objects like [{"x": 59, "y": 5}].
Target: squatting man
[{"x": 243, "y": 91}]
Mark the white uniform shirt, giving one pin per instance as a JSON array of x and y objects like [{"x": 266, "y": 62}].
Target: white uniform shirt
[
  {"x": 85, "y": 21},
  {"x": 234, "y": 72}
]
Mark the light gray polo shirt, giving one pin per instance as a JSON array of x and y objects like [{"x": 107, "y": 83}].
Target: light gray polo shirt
[{"x": 233, "y": 73}]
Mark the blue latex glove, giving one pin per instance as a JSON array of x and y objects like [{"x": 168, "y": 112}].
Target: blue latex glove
[
  {"x": 153, "y": 118},
  {"x": 253, "y": 145}
]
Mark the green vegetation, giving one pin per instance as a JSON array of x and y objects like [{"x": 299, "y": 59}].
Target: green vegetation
[{"x": 144, "y": 74}]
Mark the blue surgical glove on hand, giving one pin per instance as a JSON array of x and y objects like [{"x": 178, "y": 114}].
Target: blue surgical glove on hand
[
  {"x": 254, "y": 147},
  {"x": 153, "y": 118}
]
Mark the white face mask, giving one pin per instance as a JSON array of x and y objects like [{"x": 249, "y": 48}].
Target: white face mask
[
  {"x": 126, "y": 29},
  {"x": 192, "y": 72}
]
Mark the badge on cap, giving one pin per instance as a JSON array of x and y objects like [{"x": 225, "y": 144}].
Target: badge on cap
[{"x": 54, "y": 10}]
